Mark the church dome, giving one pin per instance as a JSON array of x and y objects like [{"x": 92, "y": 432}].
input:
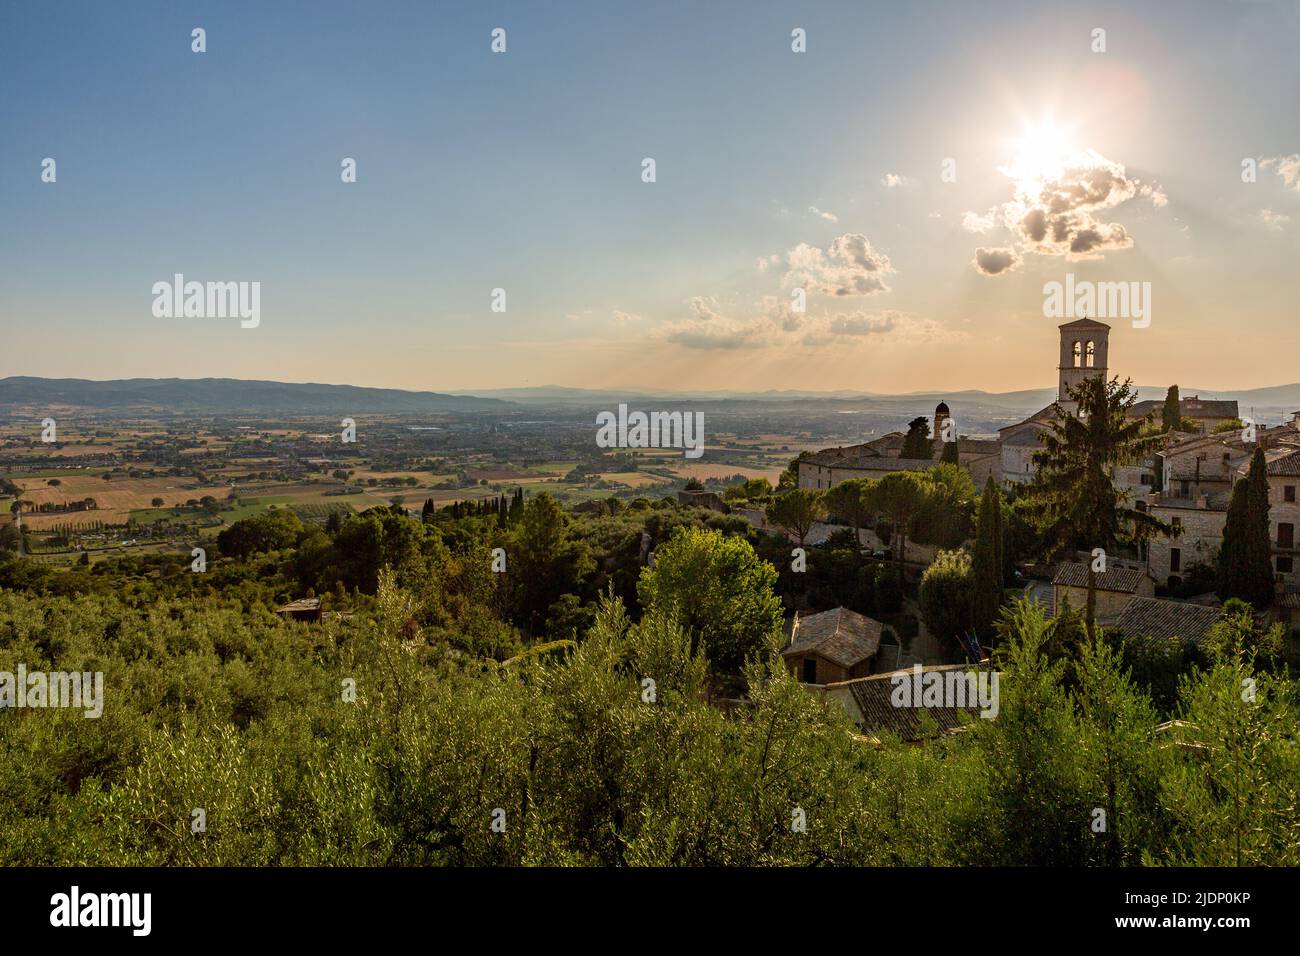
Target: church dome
[{"x": 941, "y": 408}]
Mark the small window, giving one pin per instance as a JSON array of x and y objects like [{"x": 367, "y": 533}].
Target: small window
[
  {"x": 1078, "y": 355},
  {"x": 1285, "y": 535},
  {"x": 810, "y": 670},
  {"x": 1175, "y": 559},
  {"x": 1178, "y": 524},
  {"x": 1285, "y": 565},
  {"x": 1288, "y": 493},
  {"x": 1092, "y": 353}
]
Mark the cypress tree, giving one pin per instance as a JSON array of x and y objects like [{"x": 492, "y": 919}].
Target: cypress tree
[
  {"x": 1246, "y": 557},
  {"x": 950, "y": 453},
  {"x": 986, "y": 569},
  {"x": 1172, "y": 415}
]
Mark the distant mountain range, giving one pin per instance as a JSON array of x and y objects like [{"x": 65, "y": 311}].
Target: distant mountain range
[
  {"x": 217, "y": 395},
  {"x": 228, "y": 395},
  {"x": 1275, "y": 398}
]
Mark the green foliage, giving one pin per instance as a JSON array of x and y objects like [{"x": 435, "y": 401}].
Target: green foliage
[
  {"x": 1073, "y": 497},
  {"x": 988, "y": 563},
  {"x": 720, "y": 590},
  {"x": 1245, "y": 557},
  {"x": 796, "y": 511},
  {"x": 899, "y": 496},
  {"x": 946, "y": 517},
  {"x": 917, "y": 444},
  {"x": 602, "y": 748},
  {"x": 271, "y": 530},
  {"x": 850, "y": 502},
  {"x": 1171, "y": 414},
  {"x": 946, "y": 592}
]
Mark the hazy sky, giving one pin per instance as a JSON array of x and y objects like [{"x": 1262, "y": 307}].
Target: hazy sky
[{"x": 775, "y": 171}]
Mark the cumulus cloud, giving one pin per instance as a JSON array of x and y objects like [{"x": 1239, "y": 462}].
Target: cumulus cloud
[
  {"x": 704, "y": 308},
  {"x": 848, "y": 267},
  {"x": 773, "y": 323},
  {"x": 1276, "y": 221},
  {"x": 974, "y": 222},
  {"x": 821, "y": 214},
  {"x": 1159, "y": 198},
  {"x": 993, "y": 262},
  {"x": 622, "y": 318},
  {"x": 1065, "y": 214},
  {"x": 1287, "y": 167},
  {"x": 891, "y": 180}
]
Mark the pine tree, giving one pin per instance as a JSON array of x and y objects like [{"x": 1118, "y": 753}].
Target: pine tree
[
  {"x": 986, "y": 594},
  {"x": 1245, "y": 558},
  {"x": 1073, "y": 495}
]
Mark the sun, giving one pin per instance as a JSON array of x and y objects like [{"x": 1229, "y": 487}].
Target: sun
[{"x": 1041, "y": 154}]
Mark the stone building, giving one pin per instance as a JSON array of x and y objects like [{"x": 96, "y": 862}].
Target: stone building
[
  {"x": 1208, "y": 414},
  {"x": 832, "y": 646},
  {"x": 1198, "y": 525},
  {"x": 1283, "y": 469},
  {"x": 1115, "y": 587},
  {"x": 1084, "y": 351}
]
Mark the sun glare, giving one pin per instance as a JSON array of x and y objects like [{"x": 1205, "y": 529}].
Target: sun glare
[{"x": 1041, "y": 154}]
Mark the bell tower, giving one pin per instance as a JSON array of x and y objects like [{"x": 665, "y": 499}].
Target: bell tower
[{"x": 1084, "y": 346}]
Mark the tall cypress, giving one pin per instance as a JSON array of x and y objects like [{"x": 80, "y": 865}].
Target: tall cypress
[
  {"x": 986, "y": 567},
  {"x": 1246, "y": 556},
  {"x": 1172, "y": 414}
]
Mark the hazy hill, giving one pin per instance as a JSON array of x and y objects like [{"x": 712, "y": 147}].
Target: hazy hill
[{"x": 216, "y": 395}]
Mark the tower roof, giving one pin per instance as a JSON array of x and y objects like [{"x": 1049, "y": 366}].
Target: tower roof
[
  {"x": 1084, "y": 324},
  {"x": 941, "y": 408}
]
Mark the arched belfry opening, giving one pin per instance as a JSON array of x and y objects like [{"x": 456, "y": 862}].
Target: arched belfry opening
[{"x": 1084, "y": 345}]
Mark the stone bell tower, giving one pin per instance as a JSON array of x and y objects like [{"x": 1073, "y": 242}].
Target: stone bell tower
[{"x": 1084, "y": 346}]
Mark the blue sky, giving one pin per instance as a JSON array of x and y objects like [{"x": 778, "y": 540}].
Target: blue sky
[{"x": 523, "y": 171}]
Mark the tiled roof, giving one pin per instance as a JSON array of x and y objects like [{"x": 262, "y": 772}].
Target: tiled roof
[
  {"x": 1160, "y": 620},
  {"x": 1084, "y": 324},
  {"x": 1283, "y": 461},
  {"x": 1188, "y": 408},
  {"x": 1214, "y": 501},
  {"x": 841, "y": 636},
  {"x": 1040, "y": 418},
  {"x": 873, "y": 698},
  {"x": 839, "y": 457},
  {"x": 302, "y": 604},
  {"x": 1074, "y": 574}
]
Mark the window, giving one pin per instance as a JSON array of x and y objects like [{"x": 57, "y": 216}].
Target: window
[
  {"x": 1285, "y": 535},
  {"x": 1175, "y": 559},
  {"x": 1078, "y": 355},
  {"x": 1288, "y": 493},
  {"x": 810, "y": 670},
  {"x": 1092, "y": 352},
  {"x": 1285, "y": 565},
  {"x": 1178, "y": 524}
]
